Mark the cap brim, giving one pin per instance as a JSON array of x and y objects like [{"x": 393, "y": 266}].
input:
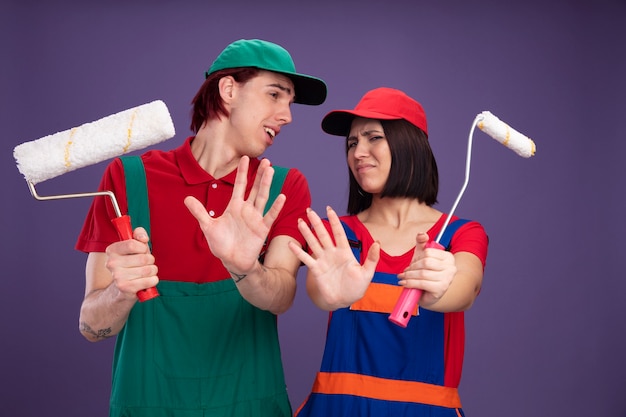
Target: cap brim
[
  {"x": 339, "y": 122},
  {"x": 309, "y": 90}
]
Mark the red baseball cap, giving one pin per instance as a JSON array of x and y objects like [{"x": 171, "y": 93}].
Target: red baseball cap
[{"x": 381, "y": 103}]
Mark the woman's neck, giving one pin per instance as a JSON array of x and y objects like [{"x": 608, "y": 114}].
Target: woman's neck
[
  {"x": 396, "y": 213},
  {"x": 395, "y": 222}
]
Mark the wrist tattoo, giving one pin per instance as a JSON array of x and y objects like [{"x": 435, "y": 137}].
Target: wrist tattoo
[
  {"x": 98, "y": 334},
  {"x": 237, "y": 277}
]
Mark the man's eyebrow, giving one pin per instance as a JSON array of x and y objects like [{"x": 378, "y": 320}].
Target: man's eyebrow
[{"x": 281, "y": 87}]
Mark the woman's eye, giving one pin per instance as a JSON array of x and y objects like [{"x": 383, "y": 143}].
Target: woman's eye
[
  {"x": 373, "y": 138},
  {"x": 351, "y": 144}
]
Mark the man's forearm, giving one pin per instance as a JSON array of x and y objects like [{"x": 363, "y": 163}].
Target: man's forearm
[
  {"x": 271, "y": 289},
  {"x": 103, "y": 315}
]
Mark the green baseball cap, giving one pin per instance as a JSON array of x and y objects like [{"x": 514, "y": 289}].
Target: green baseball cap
[{"x": 269, "y": 56}]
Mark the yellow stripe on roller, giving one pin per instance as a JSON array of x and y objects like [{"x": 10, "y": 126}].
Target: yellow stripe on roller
[
  {"x": 130, "y": 131},
  {"x": 66, "y": 155},
  {"x": 508, "y": 136}
]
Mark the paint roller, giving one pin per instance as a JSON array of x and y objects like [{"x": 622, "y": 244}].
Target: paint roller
[
  {"x": 120, "y": 133},
  {"x": 506, "y": 135}
]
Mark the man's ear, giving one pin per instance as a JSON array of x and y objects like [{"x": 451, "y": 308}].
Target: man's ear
[{"x": 226, "y": 87}]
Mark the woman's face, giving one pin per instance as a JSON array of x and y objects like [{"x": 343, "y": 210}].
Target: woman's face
[{"x": 369, "y": 156}]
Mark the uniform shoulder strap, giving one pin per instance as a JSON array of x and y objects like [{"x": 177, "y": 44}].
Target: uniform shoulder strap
[
  {"x": 136, "y": 192},
  {"x": 355, "y": 244},
  {"x": 280, "y": 173},
  {"x": 449, "y": 232}
]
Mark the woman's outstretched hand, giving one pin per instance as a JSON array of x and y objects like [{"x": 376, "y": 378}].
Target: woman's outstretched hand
[{"x": 335, "y": 278}]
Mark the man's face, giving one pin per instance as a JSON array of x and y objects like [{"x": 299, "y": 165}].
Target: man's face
[{"x": 259, "y": 109}]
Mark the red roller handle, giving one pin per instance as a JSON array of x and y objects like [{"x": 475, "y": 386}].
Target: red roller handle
[
  {"x": 123, "y": 227},
  {"x": 408, "y": 300},
  {"x": 125, "y": 232}
]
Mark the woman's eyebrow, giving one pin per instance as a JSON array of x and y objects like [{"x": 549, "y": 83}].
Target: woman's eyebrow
[{"x": 367, "y": 133}]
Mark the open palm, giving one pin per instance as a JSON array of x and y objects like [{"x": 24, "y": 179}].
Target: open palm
[
  {"x": 334, "y": 273},
  {"x": 238, "y": 235}
]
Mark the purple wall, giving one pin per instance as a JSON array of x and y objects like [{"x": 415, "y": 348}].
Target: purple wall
[{"x": 545, "y": 337}]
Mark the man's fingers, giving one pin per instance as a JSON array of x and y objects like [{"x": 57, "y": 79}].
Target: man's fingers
[
  {"x": 274, "y": 210},
  {"x": 259, "y": 194},
  {"x": 141, "y": 235},
  {"x": 197, "y": 209},
  {"x": 241, "y": 179}
]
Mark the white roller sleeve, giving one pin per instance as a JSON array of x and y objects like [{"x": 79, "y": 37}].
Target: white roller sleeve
[
  {"x": 88, "y": 144},
  {"x": 506, "y": 135}
]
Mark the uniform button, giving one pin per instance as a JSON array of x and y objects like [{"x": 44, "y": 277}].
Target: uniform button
[
  {"x": 211, "y": 213},
  {"x": 214, "y": 185}
]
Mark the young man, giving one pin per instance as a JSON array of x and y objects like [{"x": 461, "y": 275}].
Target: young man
[{"x": 207, "y": 345}]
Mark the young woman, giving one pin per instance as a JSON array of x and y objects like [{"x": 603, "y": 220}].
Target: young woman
[{"x": 359, "y": 264}]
